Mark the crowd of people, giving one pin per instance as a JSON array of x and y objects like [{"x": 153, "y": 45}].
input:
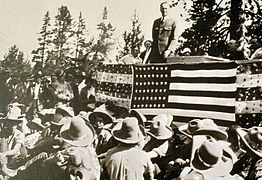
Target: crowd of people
[
  {"x": 111, "y": 142},
  {"x": 55, "y": 129}
]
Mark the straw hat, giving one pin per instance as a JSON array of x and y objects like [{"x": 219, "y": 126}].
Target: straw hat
[
  {"x": 160, "y": 129},
  {"x": 129, "y": 131},
  {"x": 252, "y": 139},
  {"x": 202, "y": 127},
  {"x": 210, "y": 158},
  {"x": 77, "y": 132}
]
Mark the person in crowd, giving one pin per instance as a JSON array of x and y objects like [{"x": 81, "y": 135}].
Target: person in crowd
[
  {"x": 36, "y": 127},
  {"x": 87, "y": 98},
  {"x": 145, "y": 55},
  {"x": 248, "y": 165},
  {"x": 77, "y": 159},
  {"x": 63, "y": 92},
  {"x": 51, "y": 140},
  {"x": 12, "y": 140},
  {"x": 210, "y": 160},
  {"x": 23, "y": 93},
  {"x": 132, "y": 58},
  {"x": 257, "y": 46},
  {"x": 234, "y": 53},
  {"x": 102, "y": 123},
  {"x": 163, "y": 34},
  {"x": 157, "y": 143},
  {"x": 127, "y": 160},
  {"x": 186, "y": 52}
]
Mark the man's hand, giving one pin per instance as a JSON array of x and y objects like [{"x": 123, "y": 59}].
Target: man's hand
[{"x": 167, "y": 53}]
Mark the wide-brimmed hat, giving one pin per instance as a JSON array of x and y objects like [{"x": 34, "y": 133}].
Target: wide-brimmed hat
[
  {"x": 60, "y": 112},
  {"x": 202, "y": 127},
  {"x": 13, "y": 116},
  {"x": 129, "y": 131},
  {"x": 160, "y": 128},
  {"x": 36, "y": 123},
  {"x": 100, "y": 116},
  {"x": 15, "y": 104},
  {"x": 77, "y": 132},
  {"x": 252, "y": 139},
  {"x": 140, "y": 117},
  {"x": 210, "y": 157}
]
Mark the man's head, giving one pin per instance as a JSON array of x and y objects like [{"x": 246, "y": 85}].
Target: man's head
[
  {"x": 148, "y": 44},
  {"x": 164, "y": 7}
]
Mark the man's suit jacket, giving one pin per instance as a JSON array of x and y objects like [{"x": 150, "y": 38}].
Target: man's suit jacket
[{"x": 163, "y": 34}]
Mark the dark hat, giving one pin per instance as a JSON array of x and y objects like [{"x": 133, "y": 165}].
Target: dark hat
[
  {"x": 252, "y": 139},
  {"x": 130, "y": 132},
  {"x": 100, "y": 116},
  {"x": 78, "y": 132}
]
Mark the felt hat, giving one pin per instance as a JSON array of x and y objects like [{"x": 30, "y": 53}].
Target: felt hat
[
  {"x": 160, "y": 128},
  {"x": 202, "y": 127},
  {"x": 210, "y": 157},
  {"x": 36, "y": 123},
  {"x": 252, "y": 139},
  {"x": 60, "y": 112},
  {"x": 77, "y": 132},
  {"x": 100, "y": 116},
  {"x": 140, "y": 117},
  {"x": 129, "y": 131},
  {"x": 13, "y": 116}
]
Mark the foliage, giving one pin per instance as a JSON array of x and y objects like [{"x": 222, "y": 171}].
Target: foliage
[
  {"x": 41, "y": 53},
  {"x": 134, "y": 39},
  {"x": 105, "y": 38},
  {"x": 214, "y": 22},
  {"x": 15, "y": 63}
]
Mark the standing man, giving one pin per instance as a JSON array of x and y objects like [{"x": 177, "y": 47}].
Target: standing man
[{"x": 163, "y": 34}]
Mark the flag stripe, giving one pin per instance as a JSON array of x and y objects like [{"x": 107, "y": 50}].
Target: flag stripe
[
  {"x": 218, "y": 80},
  {"x": 220, "y": 108},
  {"x": 202, "y": 100},
  {"x": 189, "y": 113},
  {"x": 203, "y": 87},
  {"x": 114, "y": 78},
  {"x": 229, "y": 94},
  {"x": 203, "y": 73},
  {"x": 205, "y": 66}
]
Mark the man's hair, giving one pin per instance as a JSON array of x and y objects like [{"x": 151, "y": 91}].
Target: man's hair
[{"x": 164, "y": 2}]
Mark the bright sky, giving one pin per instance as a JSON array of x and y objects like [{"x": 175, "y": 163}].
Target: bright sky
[{"x": 21, "y": 20}]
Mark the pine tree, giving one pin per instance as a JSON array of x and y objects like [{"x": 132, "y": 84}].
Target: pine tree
[
  {"x": 62, "y": 33},
  {"x": 41, "y": 53},
  {"x": 15, "y": 63},
  {"x": 105, "y": 40},
  {"x": 203, "y": 33},
  {"x": 81, "y": 44},
  {"x": 134, "y": 39}
]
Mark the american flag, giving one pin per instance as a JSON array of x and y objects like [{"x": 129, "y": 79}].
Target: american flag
[
  {"x": 186, "y": 91},
  {"x": 115, "y": 84},
  {"x": 248, "y": 99}
]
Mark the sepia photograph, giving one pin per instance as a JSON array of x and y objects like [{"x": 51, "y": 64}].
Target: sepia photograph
[{"x": 131, "y": 90}]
